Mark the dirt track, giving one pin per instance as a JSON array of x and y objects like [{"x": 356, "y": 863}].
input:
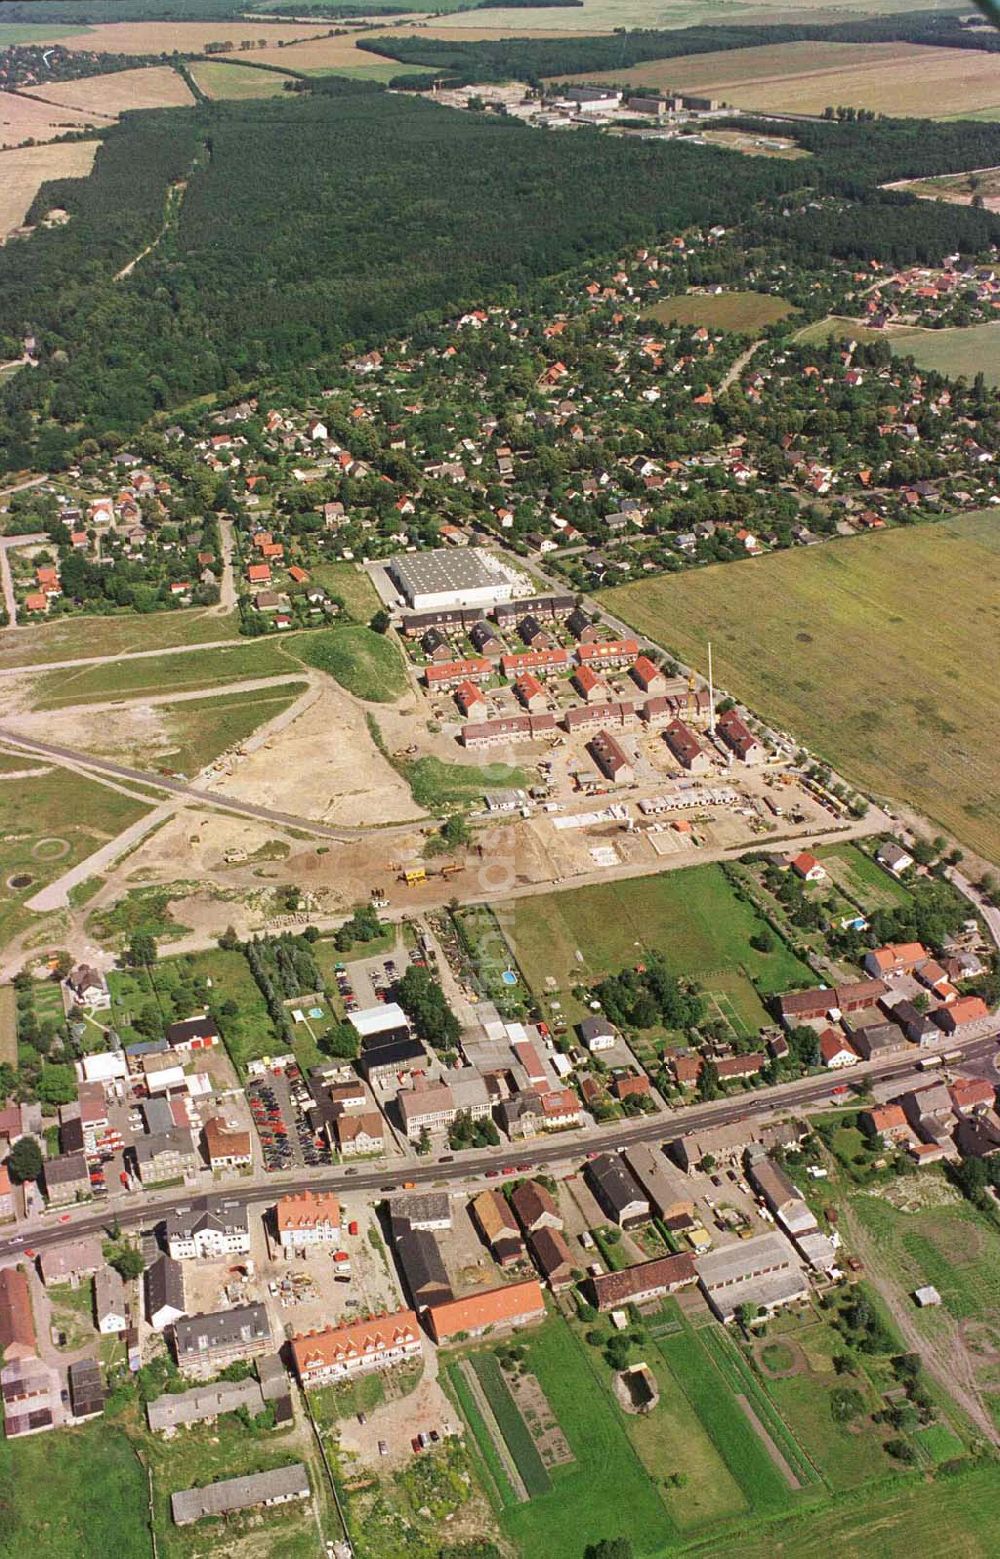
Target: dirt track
[{"x": 945, "y": 1358}]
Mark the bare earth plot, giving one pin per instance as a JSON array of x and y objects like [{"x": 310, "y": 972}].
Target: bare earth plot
[
  {"x": 23, "y": 119},
  {"x": 891, "y": 78},
  {"x": 219, "y": 80},
  {"x": 323, "y": 766},
  {"x": 881, "y": 652},
  {"x": 157, "y": 86},
  {"x": 23, "y": 172}
]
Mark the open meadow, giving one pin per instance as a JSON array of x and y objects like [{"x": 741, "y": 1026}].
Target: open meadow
[
  {"x": 156, "y": 86},
  {"x": 747, "y": 312},
  {"x": 219, "y": 79},
  {"x": 47, "y": 824},
  {"x": 146, "y": 676},
  {"x": 880, "y": 651},
  {"x": 693, "y": 918},
  {"x": 25, "y": 169},
  {"x": 905, "y": 79},
  {"x": 81, "y": 638},
  {"x": 80, "y": 1492},
  {"x": 965, "y": 350}
]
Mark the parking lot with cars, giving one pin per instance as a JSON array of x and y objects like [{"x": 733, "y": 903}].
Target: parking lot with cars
[{"x": 278, "y": 1102}]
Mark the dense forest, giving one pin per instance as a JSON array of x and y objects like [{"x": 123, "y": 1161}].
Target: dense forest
[
  {"x": 329, "y": 220},
  {"x": 532, "y": 59}
]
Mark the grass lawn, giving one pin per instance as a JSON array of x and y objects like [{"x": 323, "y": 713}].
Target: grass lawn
[
  {"x": 861, "y": 878},
  {"x": 951, "y": 1518},
  {"x": 367, "y": 664},
  {"x": 352, "y": 585},
  {"x": 693, "y": 918},
  {"x": 79, "y": 1492},
  {"x": 73, "y": 638},
  {"x": 746, "y": 312},
  {"x": 161, "y": 674},
  {"x": 73, "y": 1313},
  {"x": 605, "y": 1491},
  {"x": 226, "y": 1449},
  {"x": 47, "y": 825},
  {"x": 860, "y": 657},
  {"x": 361, "y": 1395}
]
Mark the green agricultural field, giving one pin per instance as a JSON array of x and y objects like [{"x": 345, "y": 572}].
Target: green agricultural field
[
  {"x": 367, "y": 664},
  {"x": 37, "y": 32},
  {"x": 879, "y": 651},
  {"x": 351, "y": 585},
  {"x": 47, "y": 825},
  {"x": 693, "y": 918},
  {"x": 949, "y": 1518},
  {"x": 711, "y": 1398},
  {"x": 861, "y": 878},
  {"x": 605, "y": 1491},
  {"x": 746, "y": 312},
  {"x": 961, "y": 351},
  {"x": 78, "y": 1491},
  {"x": 77, "y": 638},
  {"x": 218, "y": 79},
  {"x": 672, "y": 1442},
  {"x": 838, "y": 327},
  {"x": 156, "y": 674}
]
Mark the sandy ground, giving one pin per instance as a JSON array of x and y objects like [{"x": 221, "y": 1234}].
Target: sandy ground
[
  {"x": 324, "y": 765},
  {"x": 23, "y": 119},
  {"x": 24, "y": 171},
  {"x": 158, "y": 87}
]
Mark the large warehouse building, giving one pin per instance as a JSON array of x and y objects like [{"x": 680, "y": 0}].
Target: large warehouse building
[{"x": 440, "y": 580}]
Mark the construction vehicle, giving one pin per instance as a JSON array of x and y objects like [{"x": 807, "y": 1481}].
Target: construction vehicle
[{"x": 414, "y": 874}]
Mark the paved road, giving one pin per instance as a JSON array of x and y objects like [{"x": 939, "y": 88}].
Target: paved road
[
  {"x": 7, "y": 543},
  {"x": 989, "y": 912},
  {"x": 139, "y": 1212}
]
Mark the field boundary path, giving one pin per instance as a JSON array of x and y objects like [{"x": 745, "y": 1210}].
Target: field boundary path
[
  {"x": 494, "y": 1431},
  {"x": 227, "y": 585},
  {"x": 773, "y": 1451}
]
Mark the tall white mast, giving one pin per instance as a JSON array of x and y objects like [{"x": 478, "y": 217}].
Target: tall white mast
[{"x": 711, "y": 694}]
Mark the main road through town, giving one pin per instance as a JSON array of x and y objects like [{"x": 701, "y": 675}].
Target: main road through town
[{"x": 141, "y": 1211}]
